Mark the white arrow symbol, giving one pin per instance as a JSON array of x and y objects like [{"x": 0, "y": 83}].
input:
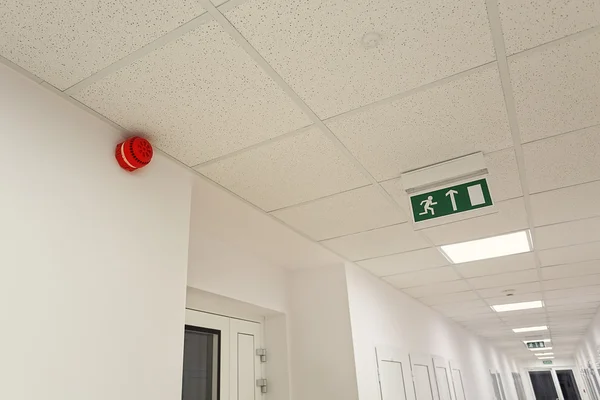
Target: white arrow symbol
[{"x": 452, "y": 193}]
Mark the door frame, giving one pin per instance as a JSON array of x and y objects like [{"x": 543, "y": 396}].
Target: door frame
[
  {"x": 219, "y": 323},
  {"x": 425, "y": 359},
  {"x": 553, "y": 369},
  {"x": 441, "y": 362},
  {"x": 230, "y": 328},
  {"x": 455, "y": 366},
  {"x": 392, "y": 354}
]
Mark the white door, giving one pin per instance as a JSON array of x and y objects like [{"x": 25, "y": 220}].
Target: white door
[
  {"x": 443, "y": 378},
  {"x": 457, "y": 380},
  {"x": 497, "y": 383},
  {"x": 220, "y": 361},
  {"x": 424, "y": 377},
  {"x": 395, "y": 378}
]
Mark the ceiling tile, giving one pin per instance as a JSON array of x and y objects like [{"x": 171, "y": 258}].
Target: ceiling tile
[
  {"x": 498, "y": 265},
  {"x": 474, "y": 305},
  {"x": 436, "y": 289},
  {"x": 572, "y": 282},
  {"x": 570, "y": 254},
  {"x": 449, "y": 298},
  {"x": 503, "y": 279},
  {"x": 378, "y": 242},
  {"x": 590, "y": 305},
  {"x": 197, "y": 98},
  {"x": 523, "y": 319},
  {"x": 575, "y": 291},
  {"x": 477, "y": 318},
  {"x": 567, "y": 234},
  {"x": 551, "y": 95},
  {"x": 559, "y": 205},
  {"x": 517, "y": 290},
  {"x": 527, "y": 24},
  {"x": 449, "y": 120},
  {"x": 457, "y": 310},
  {"x": 318, "y": 48},
  {"x": 511, "y": 216},
  {"x": 563, "y": 160},
  {"x": 571, "y": 270},
  {"x": 503, "y": 179},
  {"x": 579, "y": 300},
  {"x": 64, "y": 42},
  {"x": 342, "y": 214},
  {"x": 405, "y": 262},
  {"x": 425, "y": 277},
  {"x": 286, "y": 171}
]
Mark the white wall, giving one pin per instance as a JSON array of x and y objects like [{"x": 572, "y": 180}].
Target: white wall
[
  {"x": 93, "y": 259},
  {"x": 589, "y": 348},
  {"x": 322, "y": 356},
  {"x": 381, "y": 315}
]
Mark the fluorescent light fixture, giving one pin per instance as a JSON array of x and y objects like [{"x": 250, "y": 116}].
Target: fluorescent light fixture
[
  {"x": 544, "y": 354},
  {"x": 492, "y": 247},
  {"x": 542, "y": 349},
  {"x": 526, "y": 305},
  {"x": 537, "y": 340},
  {"x": 530, "y": 329},
  {"x": 545, "y": 358}
]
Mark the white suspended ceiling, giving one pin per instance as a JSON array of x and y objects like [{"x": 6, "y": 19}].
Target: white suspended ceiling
[{"x": 311, "y": 110}]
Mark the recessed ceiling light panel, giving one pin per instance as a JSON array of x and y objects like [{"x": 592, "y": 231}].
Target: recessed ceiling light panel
[
  {"x": 518, "y": 306},
  {"x": 530, "y": 329},
  {"x": 492, "y": 247},
  {"x": 544, "y": 354},
  {"x": 545, "y": 358}
]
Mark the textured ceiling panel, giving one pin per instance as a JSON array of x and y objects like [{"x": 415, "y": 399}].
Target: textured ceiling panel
[
  {"x": 64, "y": 42},
  {"x": 287, "y": 171},
  {"x": 552, "y": 96},
  {"x": 223, "y": 104},
  {"x": 378, "y": 242},
  {"x": 450, "y": 120},
  {"x": 318, "y": 47},
  {"x": 527, "y": 24},
  {"x": 405, "y": 262},
  {"x": 563, "y": 160},
  {"x": 342, "y": 214}
]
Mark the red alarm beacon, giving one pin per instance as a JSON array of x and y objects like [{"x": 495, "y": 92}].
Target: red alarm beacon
[{"x": 134, "y": 153}]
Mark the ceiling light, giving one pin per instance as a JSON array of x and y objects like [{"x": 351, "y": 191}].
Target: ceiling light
[
  {"x": 545, "y": 358},
  {"x": 542, "y": 349},
  {"x": 518, "y": 306},
  {"x": 496, "y": 246},
  {"x": 530, "y": 329},
  {"x": 544, "y": 354}
]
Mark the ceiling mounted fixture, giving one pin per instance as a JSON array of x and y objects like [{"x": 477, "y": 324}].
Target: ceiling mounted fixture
[
  {"x": 545, "y": 358},
  {"x": 492, "y": 247},
  {"x": 542, "y": 349},
  {"x": 537, "y": 340},
  {"x": 544, "y": 354},
  {"x": 531, "y": 329},
  {"x": 526, "y": 305}
]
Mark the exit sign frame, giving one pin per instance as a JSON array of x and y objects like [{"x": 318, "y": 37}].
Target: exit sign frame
[
  {"x": 536, "y": 344},
  {"x": 453, "y": 202}
]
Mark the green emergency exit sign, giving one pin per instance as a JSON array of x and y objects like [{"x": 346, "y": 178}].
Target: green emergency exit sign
[
  {"x": 547, "y": 362},
  {"x": 536, "y": 345},
  {"x": 451, "y": 200}
]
